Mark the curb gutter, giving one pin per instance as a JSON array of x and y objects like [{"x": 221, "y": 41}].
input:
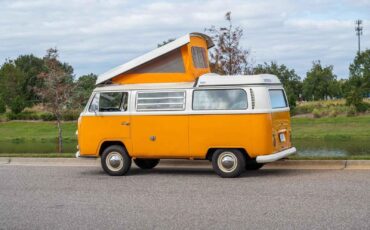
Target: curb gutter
[{"x": 282, "y": 164}]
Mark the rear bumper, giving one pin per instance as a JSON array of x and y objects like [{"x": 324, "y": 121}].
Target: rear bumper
[{"x": 276, "y": 156}]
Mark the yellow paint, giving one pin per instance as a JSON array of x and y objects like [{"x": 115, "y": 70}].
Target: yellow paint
[
  {"x": 185, "y": 136},
  {"x": 94, "y": 130},
  {"x": 170, "y": 135},
  {"x": 190, "y": 74}
]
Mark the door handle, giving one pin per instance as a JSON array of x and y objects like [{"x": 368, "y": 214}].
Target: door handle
[{"x": 125, "y": 123}]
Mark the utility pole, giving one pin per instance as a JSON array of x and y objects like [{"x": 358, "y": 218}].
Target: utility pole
[{"x": 358, "y": 30}]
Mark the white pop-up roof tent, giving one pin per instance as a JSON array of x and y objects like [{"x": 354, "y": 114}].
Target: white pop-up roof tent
[{"x": 182, "y": 60}]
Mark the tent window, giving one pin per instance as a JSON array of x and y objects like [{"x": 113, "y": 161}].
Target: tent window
[
  {"x": 171, "y": 62},
  {"x": 199, "y": 57}
]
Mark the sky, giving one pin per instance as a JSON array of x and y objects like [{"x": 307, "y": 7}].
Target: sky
[{"x": 96, "y": 35}]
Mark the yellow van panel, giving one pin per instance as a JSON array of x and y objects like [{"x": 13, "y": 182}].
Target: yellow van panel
[
  {"x": 94, "y": 130},
  {"x": 251, "y": 132},
  {"x": 281, "y": 124},
  {"x": 160, "y": 136}
]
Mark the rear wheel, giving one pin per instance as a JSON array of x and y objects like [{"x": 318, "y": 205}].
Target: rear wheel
[
  {"x": 115, "y": 161},
  {"x": 146, "y": 163},
  {"x": 228, "y": 162}
]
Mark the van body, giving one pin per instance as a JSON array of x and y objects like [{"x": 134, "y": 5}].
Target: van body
[{"x": 236, "y": 122}]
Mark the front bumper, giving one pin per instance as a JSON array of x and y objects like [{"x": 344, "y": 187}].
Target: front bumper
[
  {"x": 276, "y": 156},
  {"x": 78, "y": 154}
]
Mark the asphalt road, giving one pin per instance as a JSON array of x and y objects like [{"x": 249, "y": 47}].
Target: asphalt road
[{"x": 70, "y": 197}]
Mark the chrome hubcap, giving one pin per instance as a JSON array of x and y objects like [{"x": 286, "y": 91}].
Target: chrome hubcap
[
  {"x": 227, "y": 162},
  {"x": 114, "y": 161}
]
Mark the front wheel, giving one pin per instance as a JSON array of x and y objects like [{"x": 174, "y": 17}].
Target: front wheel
[
  {"x": 115, "y": 161},
  {"x": 228, "y": 162},
  {"x": 146, "y": 163}
]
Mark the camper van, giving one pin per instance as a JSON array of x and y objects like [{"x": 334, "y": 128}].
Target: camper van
[{"x": 137, "y": 114}]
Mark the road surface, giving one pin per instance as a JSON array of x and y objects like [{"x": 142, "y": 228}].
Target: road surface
[{"x": 71, "y": 197}]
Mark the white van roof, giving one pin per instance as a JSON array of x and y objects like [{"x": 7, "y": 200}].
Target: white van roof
[
  {"x": 209, "y": 79},
  {"x": 212, "y": 79}
]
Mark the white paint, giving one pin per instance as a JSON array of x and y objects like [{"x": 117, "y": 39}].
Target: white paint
[
  {"x": 275, "y": 156},
  {"x": 212, "y": 79}
]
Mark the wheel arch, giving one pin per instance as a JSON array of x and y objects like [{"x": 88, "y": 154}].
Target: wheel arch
[
  {"x": 107, "y": 143},
  {"x": 211, "y": 151}
]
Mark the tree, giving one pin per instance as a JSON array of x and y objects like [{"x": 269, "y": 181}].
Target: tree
[
  {"x": 320, "y": 83},
  {"x": 2, "y": 106},
  {"x": 288, "y": 77},
  {"x": 358, "y": 84},
  {"x": 228, "y": 57},
  {"x": 57, "y": 88},
  {"x": 18, "y": 80},
  {"x": 31, "y": 67},
  {"x": 11, "y": 84},
  {"x": 83, "y": 88}
]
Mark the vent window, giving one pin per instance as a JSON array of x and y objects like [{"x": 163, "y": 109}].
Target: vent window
[{"x": 156, "y": 101}]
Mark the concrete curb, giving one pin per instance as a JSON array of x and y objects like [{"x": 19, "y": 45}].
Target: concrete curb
[
  {"x": 308, "y": 164},
  {"x": 282, "y": 164},
  {"x": 4, "y": 160}
]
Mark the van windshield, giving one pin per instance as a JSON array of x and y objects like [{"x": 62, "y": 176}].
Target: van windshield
[{"x": 277, "y": 98}]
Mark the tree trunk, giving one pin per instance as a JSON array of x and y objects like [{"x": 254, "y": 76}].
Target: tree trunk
[{"x": 60, "y": 140}]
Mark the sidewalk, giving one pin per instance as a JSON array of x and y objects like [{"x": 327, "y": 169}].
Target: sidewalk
[{"x": 283, "y": 164}]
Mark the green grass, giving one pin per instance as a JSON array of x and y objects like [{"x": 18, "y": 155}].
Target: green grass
[
  {"x": 334, "y": 128},
  {"x": 35, "y": 131}
]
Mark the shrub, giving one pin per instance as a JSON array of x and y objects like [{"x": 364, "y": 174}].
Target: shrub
[
  {"x": 333, "y": 112},
  {"x": 23, "y": 116},
  {"x": 70, "y": 115},
  {"x": 362, "y": 107},
  {"x": 316, "y": 113},
  {"x": 17, "y": 105},
  {"x": 47, "y": 117},
  {"x": 2, "y": 106},
  {"x": 352, "y": 111}
]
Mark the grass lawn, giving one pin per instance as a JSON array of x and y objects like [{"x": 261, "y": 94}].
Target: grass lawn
[
  {"x": 334, "y": 128},
  {"x": 35, "y": 131}
]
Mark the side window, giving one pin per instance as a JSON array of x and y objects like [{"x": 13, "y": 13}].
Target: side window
[
  {"x": 109, "y": 102},
  {"x": 199, "y": 57},
  {"x": 149, "y": 101},
  {"x": 94, "y": 106},
  {"x": 220, "y": 99},
  {"x": 277, "y": 98}
]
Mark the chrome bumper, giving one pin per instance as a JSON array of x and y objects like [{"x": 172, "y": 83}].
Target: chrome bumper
[
  {"x": 78, "y": 154},
  {"x": 275, "y": 156}
]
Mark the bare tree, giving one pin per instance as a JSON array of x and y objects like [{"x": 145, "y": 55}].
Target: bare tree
[
  {"x": 57, "y": 89},
  {"x": 228, "y": 57}
]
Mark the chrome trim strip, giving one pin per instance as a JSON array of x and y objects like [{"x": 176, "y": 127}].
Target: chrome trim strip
[{"x": 275, "y": 156}]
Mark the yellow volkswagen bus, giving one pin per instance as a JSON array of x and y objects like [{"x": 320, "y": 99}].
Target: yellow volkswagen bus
[{"x": 236, "y": 122}]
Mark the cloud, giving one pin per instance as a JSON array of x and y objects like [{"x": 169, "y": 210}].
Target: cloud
[{"x": 96, "y": 35}]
